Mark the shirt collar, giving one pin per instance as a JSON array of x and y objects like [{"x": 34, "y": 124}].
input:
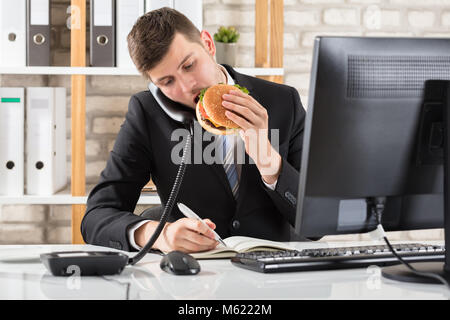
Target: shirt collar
[{"x": 230, "y": 80}]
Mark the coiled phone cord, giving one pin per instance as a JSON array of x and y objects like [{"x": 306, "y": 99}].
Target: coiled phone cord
[{"x": 170, "y": 202}]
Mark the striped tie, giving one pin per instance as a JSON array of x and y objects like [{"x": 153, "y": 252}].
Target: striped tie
[{"x": 229, "y": 165}]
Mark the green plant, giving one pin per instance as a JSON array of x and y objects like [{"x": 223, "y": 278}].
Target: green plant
[{"x": 226, "y": 35}]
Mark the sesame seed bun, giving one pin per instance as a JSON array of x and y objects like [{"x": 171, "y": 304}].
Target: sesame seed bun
[
  {"x": 212, "y": 105},
  {"x": 211, "y": 128}
]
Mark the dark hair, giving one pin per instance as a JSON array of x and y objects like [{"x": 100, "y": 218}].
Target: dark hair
[{"x": 151, "y": 36}]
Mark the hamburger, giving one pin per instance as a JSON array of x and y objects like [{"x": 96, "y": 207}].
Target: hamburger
[{"x": 210, "y": 112}]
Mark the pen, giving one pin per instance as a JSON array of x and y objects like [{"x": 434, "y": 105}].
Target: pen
[{"x": 191, "y": 214}]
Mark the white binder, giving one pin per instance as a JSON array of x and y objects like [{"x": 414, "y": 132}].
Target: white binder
[
  {"x": 13, "y": 34},
  {"x": 127, "y": 12},
  {"x": 156, "y": 4},
  {"x": 45, "y": 140},
  {"x": 12, "y": 112},
  {"x": 193, "y": 9}
]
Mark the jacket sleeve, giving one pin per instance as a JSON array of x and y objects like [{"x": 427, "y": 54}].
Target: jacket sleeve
[
  {"x": 111, "y": 203},
  {"x": 285, "y": 194}
]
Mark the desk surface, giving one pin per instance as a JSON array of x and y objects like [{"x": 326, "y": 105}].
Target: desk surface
[{"x": 218, "y": 279}]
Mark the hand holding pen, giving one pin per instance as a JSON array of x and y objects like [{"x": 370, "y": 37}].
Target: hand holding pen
[
  {"x": 191, "y": 214},
  {"x": 186, "y": 235}
]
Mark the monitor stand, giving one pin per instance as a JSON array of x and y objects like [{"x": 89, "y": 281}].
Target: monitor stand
[
  {"x": 402, "y": 273},
  {"x": 439, "y": 90}
]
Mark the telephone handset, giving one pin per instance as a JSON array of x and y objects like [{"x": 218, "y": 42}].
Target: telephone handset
[{"x": 175, "y": 110}]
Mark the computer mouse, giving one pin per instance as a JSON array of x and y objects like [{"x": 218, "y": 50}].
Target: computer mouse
[{"x": 179, "y": 263}]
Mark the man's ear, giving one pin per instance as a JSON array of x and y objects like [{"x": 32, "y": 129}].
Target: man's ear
[{"x": 208, "y": 42}]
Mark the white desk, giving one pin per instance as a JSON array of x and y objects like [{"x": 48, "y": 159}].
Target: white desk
[{"x": 218, "y": 279}]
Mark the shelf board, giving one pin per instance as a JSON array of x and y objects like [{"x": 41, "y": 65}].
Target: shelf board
[
  {"x": 99, "y": 71},
  {"x": 66, "y": 199}
]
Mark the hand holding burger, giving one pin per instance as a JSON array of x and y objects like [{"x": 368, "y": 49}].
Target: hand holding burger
[
  {"x": 211, "y": 113},
  {"x": 225, "y": 109}
]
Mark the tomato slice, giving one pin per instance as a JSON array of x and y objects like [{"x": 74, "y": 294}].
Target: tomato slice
[
  {"x": 204, "y": 115},
  {"x": 202, "y": 111}
]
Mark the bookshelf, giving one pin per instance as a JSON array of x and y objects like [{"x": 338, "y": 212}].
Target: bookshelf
[{"x": 269, "y": 24}]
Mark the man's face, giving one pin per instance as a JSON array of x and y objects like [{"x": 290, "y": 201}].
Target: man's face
[{"x": 186, "y": 69}]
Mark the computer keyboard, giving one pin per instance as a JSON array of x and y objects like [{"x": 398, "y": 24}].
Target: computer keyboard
[{"x": 336, "y": 258}]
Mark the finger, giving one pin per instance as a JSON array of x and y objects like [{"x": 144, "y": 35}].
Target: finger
[
  {"x": 241, "y": 98},
  {"x": 197, "y": 242},
  {"x": 260, "y": 109},
  {"x": 199, "y": 227},
  {"x": 211, "y": 224},
  {"x": 236, "y": 98},
  {"x": 244, "y": 95},
  {"x": 199, "y": 239},
  {"x": 242, "y": 111},
  {"x": 238, "y": 93},
  {"x": 241, "y": 122}
]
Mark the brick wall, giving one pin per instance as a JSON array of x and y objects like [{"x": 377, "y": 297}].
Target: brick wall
[{"x": 107, "y": 96}]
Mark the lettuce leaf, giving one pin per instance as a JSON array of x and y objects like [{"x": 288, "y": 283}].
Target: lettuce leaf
[
  {"x": 202, "y": 93},
  {"x": 243, "y": 89}
]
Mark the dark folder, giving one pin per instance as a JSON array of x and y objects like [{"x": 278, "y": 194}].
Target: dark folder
[
  {"x": 102, "y": 51},
  {"x": 38, "y": 32}
]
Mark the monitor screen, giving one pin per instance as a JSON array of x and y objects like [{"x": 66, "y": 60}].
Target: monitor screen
[{"x": 361, "y": 136}]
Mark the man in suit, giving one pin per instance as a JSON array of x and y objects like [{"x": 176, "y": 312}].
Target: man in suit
[{"x": 256, "y": 198}]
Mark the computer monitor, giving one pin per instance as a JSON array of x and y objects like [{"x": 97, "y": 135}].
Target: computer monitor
[{"x": 361, "y": 138}]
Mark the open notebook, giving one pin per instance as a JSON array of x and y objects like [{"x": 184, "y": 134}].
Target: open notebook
[{"x": 238, "y": 244}]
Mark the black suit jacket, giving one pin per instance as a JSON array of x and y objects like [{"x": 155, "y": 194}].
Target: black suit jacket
[{"x": 143, "y": 149}]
